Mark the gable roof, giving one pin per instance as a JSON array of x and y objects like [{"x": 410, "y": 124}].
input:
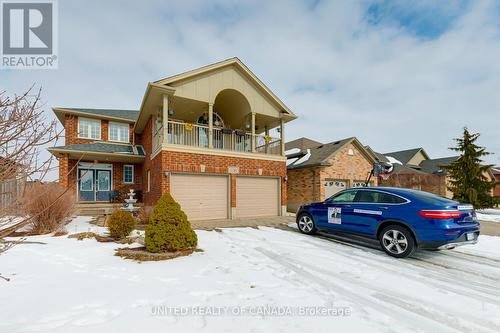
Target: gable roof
[
  {"x": 320, "y": 154},
  {"x": 236, "y": 62},
  {"x": 435, "y": 165},
  {"x": 404, "y": 156},
  {"x": 301, "y": 143},
  {"x": 129, "y": 116}
]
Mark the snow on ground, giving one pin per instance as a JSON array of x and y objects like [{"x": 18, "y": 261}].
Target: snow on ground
[
  {"x": 490, "y": 215},
  {"x": 79, "y": 286}
]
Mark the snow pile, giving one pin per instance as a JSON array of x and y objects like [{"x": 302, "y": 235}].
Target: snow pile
[
  {"x": 393, "y": 160},
  {"x": 292, "y": 151},
  {"x": 304, "y": 158},
  {"x": 489, "y": 215},
  {"x": 80, "y": 286}
]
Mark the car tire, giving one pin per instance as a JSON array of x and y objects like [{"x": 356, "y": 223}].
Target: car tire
[
  {"x": 306, "y": 224},
  {"x": 397, "y": 241}
]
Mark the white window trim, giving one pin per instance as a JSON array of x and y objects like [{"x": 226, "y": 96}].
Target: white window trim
[
  {"x": 92, "y": 120},
  {"x": 122, "y": 124},
  {"x": 128, "y": 165},
  {"x": 148, "y": 175}
]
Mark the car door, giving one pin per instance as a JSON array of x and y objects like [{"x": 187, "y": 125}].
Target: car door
[
  {"x": 336, "y": 212},
  {"x": 371, "y": 207}
]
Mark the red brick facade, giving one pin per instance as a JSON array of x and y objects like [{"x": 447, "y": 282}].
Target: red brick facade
[
  {"x": 71, "y": 131},
  {"x": 188, "y": 162},
  {"x": 306, "y": 185}
]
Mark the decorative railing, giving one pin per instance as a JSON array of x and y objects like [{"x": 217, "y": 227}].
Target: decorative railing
[{"x": 192, "y": 135}]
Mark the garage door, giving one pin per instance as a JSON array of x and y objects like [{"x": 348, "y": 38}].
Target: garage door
[
  {"x": 202, "y": 197},
  {"x": 257, "y": 196},
  {"x": 334, "y": 186}
]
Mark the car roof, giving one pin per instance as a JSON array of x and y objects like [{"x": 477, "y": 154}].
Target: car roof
[{"x": 394, "y": 190}]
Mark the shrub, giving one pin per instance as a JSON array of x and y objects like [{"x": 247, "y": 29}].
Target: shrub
[
  {"x": 120, "y": 224},
  {"x": 49, "y": 205},
  {"x": 169, "y": 229}
]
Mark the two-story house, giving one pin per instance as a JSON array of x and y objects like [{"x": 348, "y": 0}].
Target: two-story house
[{"x": 203, "y": 135}]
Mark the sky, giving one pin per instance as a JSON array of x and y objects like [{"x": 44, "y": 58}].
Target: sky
[{"x": 395, "y": 74}]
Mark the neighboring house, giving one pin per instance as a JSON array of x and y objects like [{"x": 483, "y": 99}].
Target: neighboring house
[
  {"x": 413, "y": 168},
  {"x": 203, "y": 136},
  {"x": 496, "y": 173},
  {"x": 316, "y": 171},
  {"x": 12, "y": 182}
]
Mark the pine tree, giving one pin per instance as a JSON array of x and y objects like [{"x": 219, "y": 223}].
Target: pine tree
[{"x": 468, "y": 181}]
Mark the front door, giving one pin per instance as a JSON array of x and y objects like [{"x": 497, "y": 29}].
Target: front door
[{"x": 94, "y": 185}]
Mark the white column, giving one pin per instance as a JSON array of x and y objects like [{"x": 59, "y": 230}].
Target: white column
[
  {"x": 253, "y": 132},
  {"x": 267, "y": 134},
  {"x": 282, "y": 136},
  {"x": 165, "y": 119},
  {"x": 210, "y": 125}
]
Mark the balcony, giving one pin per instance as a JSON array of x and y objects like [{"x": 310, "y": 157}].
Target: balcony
[{"x": 226, "y": 139}]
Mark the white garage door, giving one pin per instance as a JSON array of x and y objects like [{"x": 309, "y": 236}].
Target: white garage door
[
  {"x": 257, "y": 196},
  {"x": 334, "y": 186},
  {"x": 202, "y": 197}
]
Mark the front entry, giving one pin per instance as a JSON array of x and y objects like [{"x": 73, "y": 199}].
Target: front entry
[{"x": 94, "y": 185}]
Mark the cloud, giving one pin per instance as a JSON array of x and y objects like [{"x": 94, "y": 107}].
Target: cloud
[{"x": 395, "y": 74}]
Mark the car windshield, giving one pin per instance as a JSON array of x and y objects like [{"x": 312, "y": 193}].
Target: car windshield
[{"x": 432, "y": 198}]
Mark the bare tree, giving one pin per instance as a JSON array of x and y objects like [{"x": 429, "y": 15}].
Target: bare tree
[{"x": 25, "y": 133}]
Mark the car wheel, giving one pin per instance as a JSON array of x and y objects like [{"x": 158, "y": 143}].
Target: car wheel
[
  {"x": 397, "y": 241},
  {"x": 306, "y": 224}
]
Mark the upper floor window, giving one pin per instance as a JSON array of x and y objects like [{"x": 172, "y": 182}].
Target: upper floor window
[
  {"x": 118, "y": 132},
  {"x": 89, "y": 128}
]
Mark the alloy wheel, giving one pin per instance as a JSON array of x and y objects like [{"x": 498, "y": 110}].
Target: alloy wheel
[
  {"x": 306, "y": 224},
  {"x": 395, "y": 241}
]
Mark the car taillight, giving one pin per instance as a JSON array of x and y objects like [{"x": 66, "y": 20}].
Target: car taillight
[{"x": 440, "y": 214}]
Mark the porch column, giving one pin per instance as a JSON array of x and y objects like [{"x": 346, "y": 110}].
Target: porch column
[
  {"x": 253, "y": 133},
  {"x": 267, "y": 135},
  {"x": 165, "y": 119},
  {"x": 210, "y": 125},
  {"x": 282, "y": 136}
]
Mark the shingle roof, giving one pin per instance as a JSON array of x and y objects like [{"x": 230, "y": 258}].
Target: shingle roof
[
  {"x": 114, "y": 113},
  {"x": 404, "y": 155},
  {"x": 302, "y": 144},
  {"x": 101, "y": 147},
  {"x": 320, "y": 154},
  {"x": 435, "y": 165}
]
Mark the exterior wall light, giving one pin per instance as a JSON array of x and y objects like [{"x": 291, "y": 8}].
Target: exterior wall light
[{"x": 165, "y": 172}]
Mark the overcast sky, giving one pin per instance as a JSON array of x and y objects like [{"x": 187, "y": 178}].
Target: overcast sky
[{"x": 395, "y": 74}]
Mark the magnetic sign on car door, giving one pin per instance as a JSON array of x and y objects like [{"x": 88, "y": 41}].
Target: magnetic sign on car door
[{"x": 335, "y": 215}]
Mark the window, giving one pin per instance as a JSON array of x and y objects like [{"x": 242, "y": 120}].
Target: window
[
  {"x": 378, "y": 197},
  {"x": 149, "y": 180},
  {"x": 89, "y": 128},
  {"x": 128, "y": 174},
  {"x": 118, "y": 132},
  {"x": 347, "y": 196}
]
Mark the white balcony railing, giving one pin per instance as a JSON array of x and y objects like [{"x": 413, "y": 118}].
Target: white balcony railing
[{"x": 224, "y": 139}]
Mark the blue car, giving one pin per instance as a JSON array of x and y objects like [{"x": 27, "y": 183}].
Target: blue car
[{"x": 403, "y": 220}]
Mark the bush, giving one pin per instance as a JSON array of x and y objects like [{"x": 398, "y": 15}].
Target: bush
[
  {"x": 120, "y": 224},
  {"x": 49, "y": 206},
  {"x": 169, "y": 229}
]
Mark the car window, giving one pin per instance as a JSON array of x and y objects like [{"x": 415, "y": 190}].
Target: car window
[
  {"x": 377, "y": 197},
  {"x": 347, "y": 196},
  {"x": 432, "y": 198}
]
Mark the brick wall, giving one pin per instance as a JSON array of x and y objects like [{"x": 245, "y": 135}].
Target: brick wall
[
  {"x": 192, "y": 163},
  {"x": 71, "y": 131},
  {"x": 496, "y": 191},
  {"x": 306, "y": 185},
  {"x": 417, "y": 181}
]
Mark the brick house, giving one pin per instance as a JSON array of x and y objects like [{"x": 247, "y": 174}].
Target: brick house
[
  {"x": 316, "y": 171},
  {"x": 205, "y": 136},
  {"x": 413, "y": 168},
  {"x": 496, "y": 173}
]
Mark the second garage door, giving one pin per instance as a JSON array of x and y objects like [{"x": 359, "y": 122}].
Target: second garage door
[
  {"x": 257, "y": 196},
  {"x": 202, "y": 197}
]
